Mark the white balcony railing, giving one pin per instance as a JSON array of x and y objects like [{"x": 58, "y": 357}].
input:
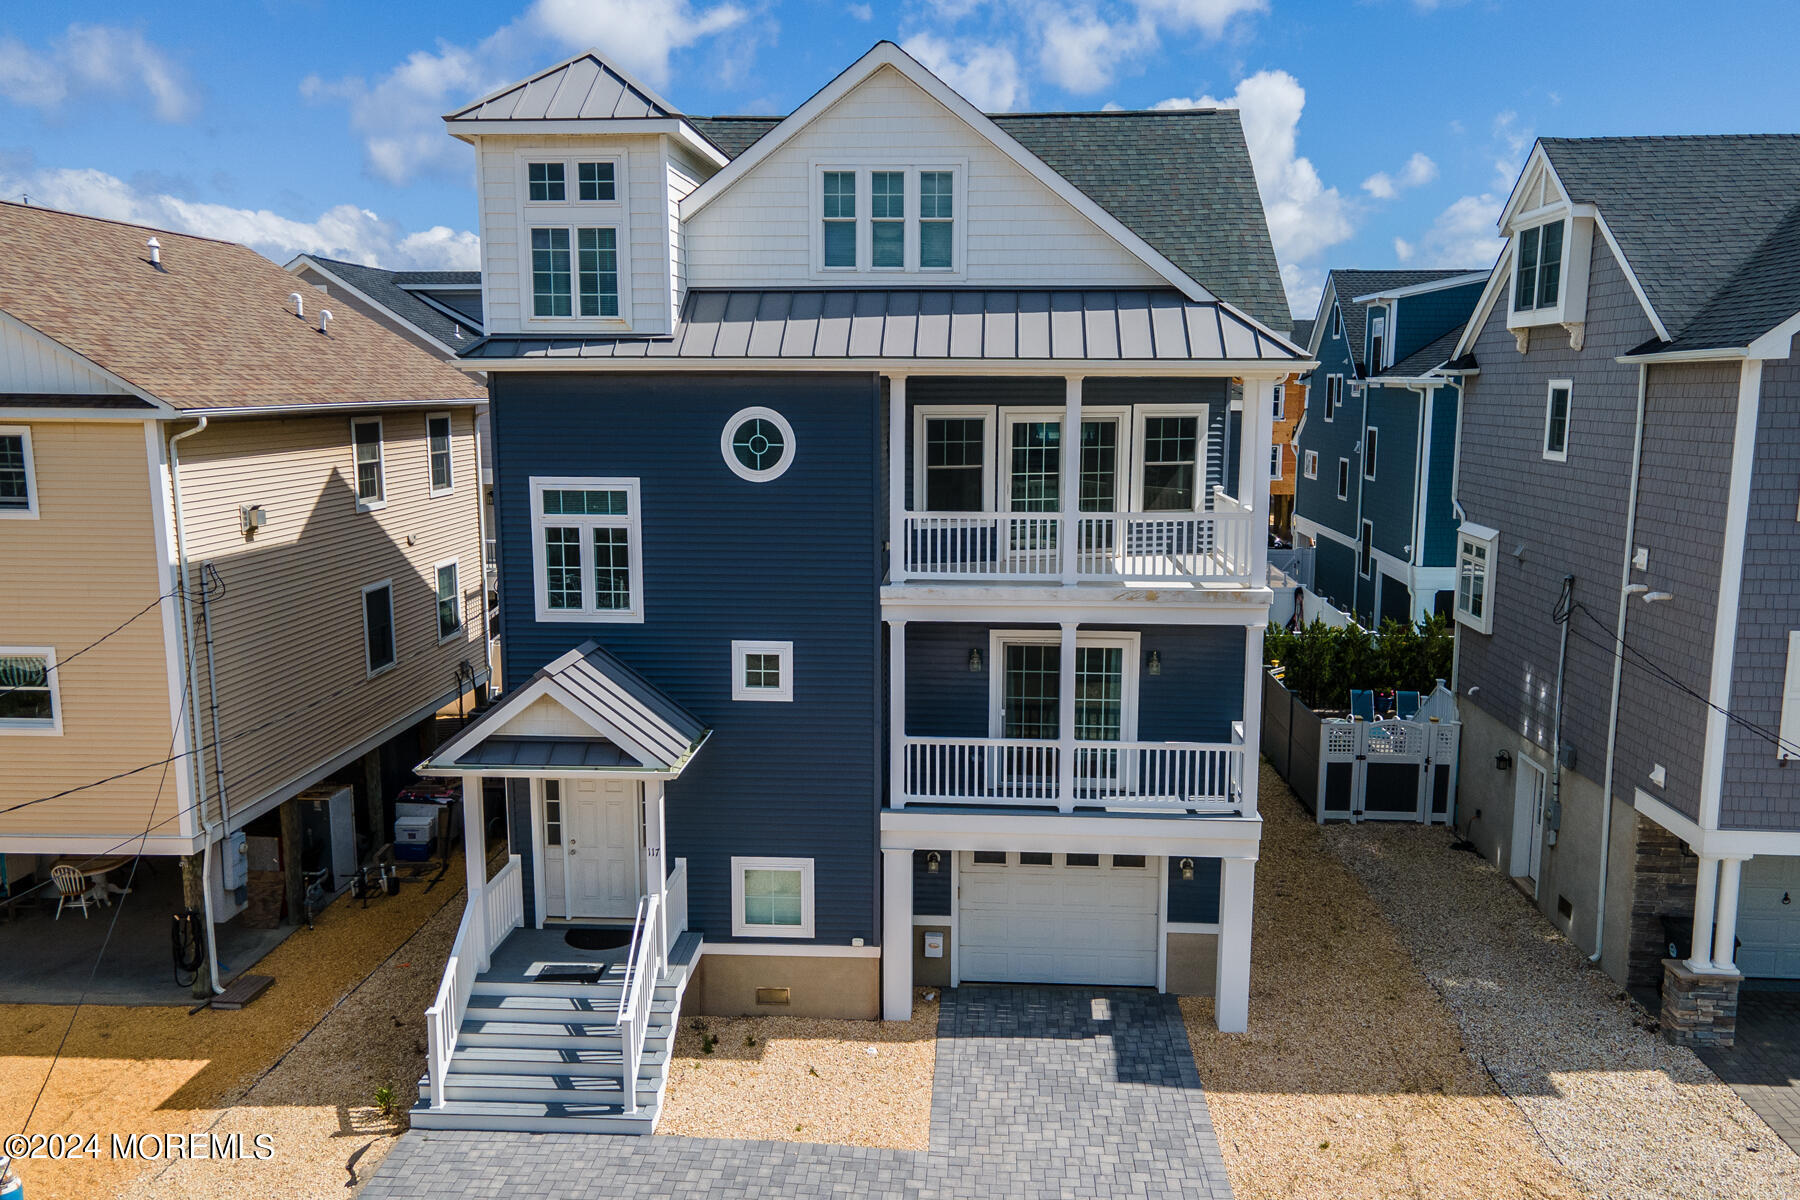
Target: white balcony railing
[{"x": 1168, "y": 776}]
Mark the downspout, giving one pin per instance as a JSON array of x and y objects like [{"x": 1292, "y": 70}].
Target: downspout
[
  {"x": 1456, "y": 506},
  {"x": 1618, "y": 670},
  {"x": 1565, "y": 606},
  {"x": 1421, "y": 481},
  {"x": 199, "y": 764},
  {"x": 212, "y": 698}
]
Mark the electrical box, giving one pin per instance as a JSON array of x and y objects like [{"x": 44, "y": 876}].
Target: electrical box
[
  {"x": 934, "y": 944},
  {"x": 252, "y": 517},
  {"x": 234, "y": 861}
]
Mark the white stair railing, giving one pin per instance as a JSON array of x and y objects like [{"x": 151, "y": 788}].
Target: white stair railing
[
  {"x": 486, "y": 921},
  {"x": 644, "y": 966}
]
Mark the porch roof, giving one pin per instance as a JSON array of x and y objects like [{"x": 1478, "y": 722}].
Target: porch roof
[{"x": 586, "y": 711}]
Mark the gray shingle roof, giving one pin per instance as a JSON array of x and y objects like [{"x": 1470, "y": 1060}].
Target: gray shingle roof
[
  {"x": 1179, "y": 179},
  {"x": 384, "y": 287},
  {"x": 1349, "y": 284},
  {"x": 1303, "y": 331},
  {"x": 1436, "y": 354},
  {"x": 937, "y": 324},
  {"x": 1709, "y": 225}
]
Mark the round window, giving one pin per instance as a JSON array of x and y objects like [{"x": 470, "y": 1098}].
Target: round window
[{"x": 758, "y": 444}]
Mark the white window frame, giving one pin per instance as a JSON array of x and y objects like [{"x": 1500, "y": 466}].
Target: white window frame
[
  {"x": 1469, "y": 536},
  {"x": 30, "y": 511},
  {"x": 741, "y": 927},
  {"x": 449, "y": 447},
  {"x": 1371, "y": 449},
  {"x": 380, "y": 502},
  {"x": 21, "y": 727},
  {"x": 1343, "y": 488},
  {"x": 1790, "y": 700},
  {"x": 1337, "y": 320},
  {"x": 1140, "y": 413},
  {"x": 1378, "y": 338},
  {"x": 1566, "y": 219},
  {"x": 1276, "y": 462},
  {"x": 574, "y": 214},
  {"x": 956, "y": 412},
  {"x": 1365, "y": 558},
  {"x": 632, "y": 522},
  {"x": 369, "y": 667},
  {"x": 731, "y": 459},
  {"x": 863, "y": 166},
  {"x": 1312, "y": 464},
  {"x": 1131, "y": 642},
  {"x": 1334, "y": 396},
  {"x": 1280, "y": 410},
  {"x": 1568, "y": 386},
  {"x": 462, "y": 621},
  {"x": 1124, "y": 467},
  {"x": 740, "y": 656}
]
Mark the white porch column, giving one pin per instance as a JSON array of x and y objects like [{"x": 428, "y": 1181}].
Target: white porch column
[
  {"x": 656, "y": 860},
  {"x": 1231, "y": 985},
  {"x": 1724, "y": 953},
  {"x": 896, "y": 935},
  {"x": 897, "y": 478},
  {"x": 1065, "y": 719},
  {"x": 897, "y": 714},
  {"x": 1071, "y": 478},
  {"x": 1253, "y": 687},
  {"x": 1255, "y": 435},
  {"x": 1705, "y": 892},
  {"x": 474, "y": 845}
]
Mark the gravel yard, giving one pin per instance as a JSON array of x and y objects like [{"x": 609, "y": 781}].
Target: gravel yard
[
  {"x": 797, "y": 1079},
  {"x": 1627, "y": 1114}
]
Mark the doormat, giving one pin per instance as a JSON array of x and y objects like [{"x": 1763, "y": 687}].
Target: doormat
[
  {"x": 569, "y": 975},
  {"x": 598, "y": 939}
]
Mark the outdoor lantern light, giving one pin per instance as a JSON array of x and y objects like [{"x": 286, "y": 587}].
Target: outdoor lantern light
[
  {"x": 1187, "y": 868},
  {"x": 931, "y": 862},
  {"x": 975, "y": 660},
  {"x": 1502, "y": 761},
  {"x": 1156, "y": 662}
]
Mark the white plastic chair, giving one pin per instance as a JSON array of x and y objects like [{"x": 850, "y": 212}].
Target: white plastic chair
[{"x": 71, "y": 887}]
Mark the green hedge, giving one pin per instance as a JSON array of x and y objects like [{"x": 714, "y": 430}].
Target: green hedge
[{"x": 1322, "y": 664}]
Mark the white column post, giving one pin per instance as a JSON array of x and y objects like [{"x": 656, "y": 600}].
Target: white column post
[
  {"x": 896, "y": 714},
  {"x": 1724, "y": 954},
  {"x": 1706, "y": 888},
  {"x": 896, "y": 935},
  {"x": 1231, "y": 984},
  {"x": 1065, "y": 719},
  {"x": 1253, "y": 686},
  {"x": 897, "y": 478},
  {"x": 1255, "y": 435},
  {"x": 656, "y": 866},
  {"x": 1071, "y": 479},
  {"x": 475, "y": 847}
]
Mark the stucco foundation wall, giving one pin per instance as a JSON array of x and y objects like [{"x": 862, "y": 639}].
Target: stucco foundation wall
[
  {"x": 1484, "y": 796},
  {"x": 818, "y": 986},
  {"x": 1192, "y": 964}
]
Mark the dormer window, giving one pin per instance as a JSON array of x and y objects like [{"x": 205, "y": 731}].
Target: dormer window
[
  {"x": 840, "y": 218},
  {"x": 1377, "y": 340},
  {"x": 937, "y": 213},
  {"x": 574, "y": 239},
  {"x": 595, "y": 278},
  {"x": 595, "y": 182},
  {"x": 885, "y": 218},
  {"x": 1537, "y": 280},
  {"x": 545, "y": 182}
]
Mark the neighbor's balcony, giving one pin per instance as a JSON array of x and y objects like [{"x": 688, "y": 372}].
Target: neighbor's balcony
[
  {"x": 1065, "y": 774},
  {"x": 1213, "y": 547}
]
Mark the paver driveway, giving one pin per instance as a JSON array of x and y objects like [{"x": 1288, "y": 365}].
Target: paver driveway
[
  {"x": 1032, "y": 1097},
  {"x": 1764, "y": 1065}
]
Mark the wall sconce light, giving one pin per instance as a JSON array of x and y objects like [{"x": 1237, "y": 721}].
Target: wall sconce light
[
  {"x": 975, "y": 661},
  {"x": 1187, "y": 868},
  {"x": 1156, "y": 662},
  {"x": 932, "y": 860},
  {"x": 1503, "y": 761}
]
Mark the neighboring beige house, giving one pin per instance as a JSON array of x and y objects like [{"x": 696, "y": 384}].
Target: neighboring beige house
[{"x": 166, "y": 414}]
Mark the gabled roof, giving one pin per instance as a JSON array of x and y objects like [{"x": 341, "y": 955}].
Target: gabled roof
[
  {"x": 584, "y": 87},
  {"x": 1345, "y": 285},
  {"x": 212, "y": 328},
  {"x": 400, "y": 293},
  {"x": 1427, "y": 358}
]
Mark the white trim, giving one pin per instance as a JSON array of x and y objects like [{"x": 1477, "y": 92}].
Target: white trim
[
  {"x": 380, "y": 500},
  {"x": 1418, "y": 289},
  {"x": 462, "y": 623},
  {"x": 431, "y": 488},
  {"x": 521, "y": 698},
  {"x": 30, "y": 511},
  {"x": 1371, "y": 449},
  {"x": 632, "y": 523},
  {"x": 971, "y": 603},
  {"x": 393, "y": 630},
  {"x": 766, "y": 474},
  {"x": 1140, "y": 413},
  {"x": 124, "y": 385},
  {"x": 1312, "y": 464},
  {"x": 1468, "y": 534},
  {"x": 987, "y": 414},
  {"x": 742, "y": 928},
  {"x": 1777, "y": 342},
  {"x": 33, "y": 727},
  {"x": 1190, "y": 926},
  {"x": 1150, "y": 368},
  {"x": 1721, "y": 843},
  {"x": 1568, "y": 387},
  {"x": 796, "y": 951},
  {"x": 1130, "y": 642},
  {"x": 1112, "y": 833},
  {"x": 784, "y": 654},
  {"x": 168, "y": 575}
]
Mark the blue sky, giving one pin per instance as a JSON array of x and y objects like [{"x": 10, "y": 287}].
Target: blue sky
[{"x": 1385, "y": 132}]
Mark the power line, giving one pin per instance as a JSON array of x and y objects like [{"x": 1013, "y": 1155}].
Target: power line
[{"x": 206, "y": 590}]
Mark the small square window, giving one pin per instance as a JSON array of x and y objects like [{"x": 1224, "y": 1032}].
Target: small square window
[
  {"x": 594, "y": 181},
  {"x": 546, "y": 181},
  {"x": 762, "y": 670},
  {"x": 772, "y": 897}
]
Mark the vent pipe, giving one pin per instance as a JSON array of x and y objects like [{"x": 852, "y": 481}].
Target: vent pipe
[
  {"x": 324, "y": 320},
  {"x": 299, "y": 302},
  {"x": 155, "y": 253}
]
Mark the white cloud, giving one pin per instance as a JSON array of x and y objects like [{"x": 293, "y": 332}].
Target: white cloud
[
  {"x": 986, "y": 76},
  {"x": 95, "y": 60},
  {"x": 862, "y": 12},
  {"x": 1210, "y": 17},
  {"x": 398, "y": 115},
  {"x": 639, "y": 34},
  {"x": 1082, "y": 51},
  {"x": 342, "y": 231},
  {"x": 1462, "y": 236},
  {"x": 1419, "y": 170},
  {"x": 1403, "y": 250}
]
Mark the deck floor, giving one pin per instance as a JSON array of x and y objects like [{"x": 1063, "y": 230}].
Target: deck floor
[{"x": 526, "y": 952}]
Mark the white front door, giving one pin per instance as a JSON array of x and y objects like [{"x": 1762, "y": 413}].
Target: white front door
[
  {"x": 601, "y": 848},
  {"x": 1769, "y": 917},
  {"x": 1057, "y": 918},
  {"x": 1528, "y": 818}
]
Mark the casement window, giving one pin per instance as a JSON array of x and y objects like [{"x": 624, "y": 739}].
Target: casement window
[
  {"x": 887, "y": 219},
  {"x": 772, "y": 897},
  {"x": 937, "y": 217},
  {"x": 1371, "y": 442},
  {"x": 1343, "y": 479},
  {"x": 449, "y": 601},
  {"x": 1275, "y": 462},
  {"x": 1790, "y": 700},
  {"x": 839, "y": 208},
  {"x": 1537, "y": 275},
  {"x": 1474, "y": 576},
  {"x": 1365, "y": 550},
  {"x": 762, "y": 671},
  {"x": 1312, "y": 464},
  {"x": 1556, "y": 420},
  {"x": 1170, "y": 456},
  {"x": 18, "y": 485},
  {"x": 953, "y": 475},
  {"x": 586, "y": 284},
  {"x": 378, "y": 626},
  {"x": 437, "y": 443},
  {"x": 587, "y": 556},
  {"x": 1334, "y": 395},
  {"x": 1377, "y": 340},
  {"x": 28, "y": 695},
  {"x": 371, "y": 471}
]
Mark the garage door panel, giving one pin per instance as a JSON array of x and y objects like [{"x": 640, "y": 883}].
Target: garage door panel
[
  {"x": 1769, "y": 918},
  {"x": 1057, "y": 924}
]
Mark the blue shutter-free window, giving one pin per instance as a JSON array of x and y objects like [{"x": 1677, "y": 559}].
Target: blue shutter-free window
[
  {"x": 887, "y": 215},
  {"x": 550, "y": 282},
  {"x": 546, "y": 181},
  {"x": 599, "y": 267},
  {"x": 594, "y": 180},
  {"x": 840, "y": 218},
  {"x": 937, "y": 208}
]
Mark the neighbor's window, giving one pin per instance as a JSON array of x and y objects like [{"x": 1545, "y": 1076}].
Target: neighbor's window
[
  {"x": 1537, "y": 280},
  {"x": 1377, "y": 340},
  {"x": 1474, "y": 589},
  {"x": 18, "y": 495},
  {"x": 587, "y": 560},
  {"x": 28, "y": 690},
  {"x": 371, "y": 473},
  {"x": 1275, "y": 462},
  {"x": 937, "y": 210},
  {"x": 1334, "y": 395},
  {"x": 1171, "y": 458},
  {"x": 1312, "y": 464},
  {"x": 1370, "y": 444},
  {"x": 955, "y": 461},
  {"x": 449, "y": 602},
  {"x": 1556, "y": 420},
  {"x": 378, "y": 627},
  {"x": 887, "y": 218},
  {"x": 594, "y": 180},
  {"x": 762, "y": 670},
  {"x": 1365, "y": 550},
  {"x": 1343, "y": 479},
  {"x": 545, "y": 181},
  {"x": 772, "y": 897},
  {"x": 1337, "y": 321},
  {"x": 1280, "y": 402},
  {"x": 840, "y": 218},
  {"x": 437, "y": 439}
]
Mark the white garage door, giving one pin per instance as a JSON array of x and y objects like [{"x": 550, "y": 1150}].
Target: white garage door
[
  {"x": 1056, "y": 918},
  {"x": 1769, "y": 918}
]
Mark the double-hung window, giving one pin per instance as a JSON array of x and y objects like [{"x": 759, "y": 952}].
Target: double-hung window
[
  {"x": 1371, "y": 442},
  {"x": 1280, "y": 411},
  {"x": 937, "y": 215},
  {"x": 18, "y": 490},
  {"x": 587, "y": 557},
  {"x": 1275, "y": 461},
  {"x": 1537, "y": 277},
  {"x": 371, "y": 472},
  {"x": 28, "y": 699},
  {"x": 1556, "y": 420},
  {"x": 437, "y": 443},
  {"x": 378, "y": 627},
  {"x": 1377, "y": 341},
  {"x": 887, "y": 219},
  {"x": 1474, "y": 576},
  {"x": 1171, "y": 463},
  {"x": 449, "y": 601},
  {"x": 1312, "y": 464},
  {"x": 839, "y": 209},
  {"x": 954, "y": 474}
]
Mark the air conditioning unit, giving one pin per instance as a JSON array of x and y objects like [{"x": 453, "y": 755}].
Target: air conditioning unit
[{"x": 252, "y": 517}]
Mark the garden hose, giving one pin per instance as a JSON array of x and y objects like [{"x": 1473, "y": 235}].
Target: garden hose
[{"x": 187, "y": 942}]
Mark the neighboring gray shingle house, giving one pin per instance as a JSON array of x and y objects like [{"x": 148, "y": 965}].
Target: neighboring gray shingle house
[{"x": 1629, "y": 650}]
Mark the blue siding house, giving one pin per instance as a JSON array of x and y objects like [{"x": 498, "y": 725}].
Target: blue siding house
[
  {"x": 882, "y": 598},
  {"x": 1377, "y": 446}
]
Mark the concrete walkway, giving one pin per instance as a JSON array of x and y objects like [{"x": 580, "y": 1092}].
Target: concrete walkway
[
  {"x": 1032, "y": 1097},
  {"x": 1763, "y": 1065}
]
